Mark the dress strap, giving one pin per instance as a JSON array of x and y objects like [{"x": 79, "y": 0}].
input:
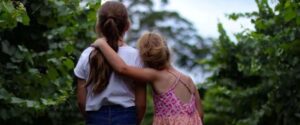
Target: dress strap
[
  {"x": 191, "y": 91},
  {"x": 176, "y": 81}
]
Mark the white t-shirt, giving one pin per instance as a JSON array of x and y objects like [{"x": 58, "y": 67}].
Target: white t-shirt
[{"x": 119, "y": 91}]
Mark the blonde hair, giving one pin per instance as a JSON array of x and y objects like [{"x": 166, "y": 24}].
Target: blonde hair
[{"x": 154, "y": 51}]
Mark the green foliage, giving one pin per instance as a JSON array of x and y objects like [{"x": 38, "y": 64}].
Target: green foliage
[
  {"x": 11, "y": 13},
  {"x": 256, "y": 80},
  {"x": 150, "y": 108},
  {"x": 37, "y": 58}
]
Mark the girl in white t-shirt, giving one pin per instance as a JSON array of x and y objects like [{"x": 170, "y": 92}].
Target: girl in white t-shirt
[{"x": 105, "y": 97}]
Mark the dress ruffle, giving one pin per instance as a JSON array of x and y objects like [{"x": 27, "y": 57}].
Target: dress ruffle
[{"x": 178, "y": 120}]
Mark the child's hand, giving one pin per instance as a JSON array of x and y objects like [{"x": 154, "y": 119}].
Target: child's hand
[{"x": 99, "y": 42}]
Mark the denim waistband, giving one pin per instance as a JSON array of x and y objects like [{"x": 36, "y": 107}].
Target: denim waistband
[
  {"x": 108, "y": 108},
  {"x": 112, "y": 115}
]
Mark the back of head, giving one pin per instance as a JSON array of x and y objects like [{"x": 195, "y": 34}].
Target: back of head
[
  {"x": 112, "y": 23},
  {"x": 154, "y": 51}
]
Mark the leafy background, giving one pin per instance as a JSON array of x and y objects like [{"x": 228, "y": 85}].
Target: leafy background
[{"x": 254, "y": 81}]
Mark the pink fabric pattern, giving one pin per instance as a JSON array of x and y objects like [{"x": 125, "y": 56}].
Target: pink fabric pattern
[{"x": 170, "y": 110}]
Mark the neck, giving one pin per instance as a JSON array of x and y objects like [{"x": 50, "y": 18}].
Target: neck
[
  {"x": 121, "y": 42},
  {"x": 168, "y": 67}
]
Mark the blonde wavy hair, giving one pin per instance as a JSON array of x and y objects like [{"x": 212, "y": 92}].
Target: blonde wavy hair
[{"x": 154, "y": 51}]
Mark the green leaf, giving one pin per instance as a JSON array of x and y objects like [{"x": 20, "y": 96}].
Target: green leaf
[
  {"x": 290, "y": 14},
  {"x": 4, "y": 94},
  {"x": 31, "y": 104},
  {"x": 69, "y": 48},
  {"x": 33, "y": 71},
  {"x": 69, "y": 63},
  {"x": 260, "y": 24},
  {"x": 7, "y": 48},
  {"x": 52, "y": 73},
  {"x": 298, "y": 20},
  {"x": 8, "y": 6},
  {"x": 25, "y": 19},
  {"x": 16, "y": 100}
]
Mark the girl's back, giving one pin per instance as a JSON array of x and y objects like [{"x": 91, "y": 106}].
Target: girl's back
[{"x": 175, "y": 99}]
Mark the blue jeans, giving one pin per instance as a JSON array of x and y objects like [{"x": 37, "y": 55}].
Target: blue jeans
[{"x": 112, "y": 115}]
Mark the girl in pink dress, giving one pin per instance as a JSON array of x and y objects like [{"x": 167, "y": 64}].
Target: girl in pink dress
[{"x": 176, "y": 99}]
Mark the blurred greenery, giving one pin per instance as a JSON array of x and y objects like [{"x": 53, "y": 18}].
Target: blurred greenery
[
  {"x": 37, "y": 58},
  {"x": 254, "y": 81}
]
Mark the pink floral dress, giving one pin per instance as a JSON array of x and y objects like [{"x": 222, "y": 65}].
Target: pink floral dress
[{"x": 170, "y": 110}]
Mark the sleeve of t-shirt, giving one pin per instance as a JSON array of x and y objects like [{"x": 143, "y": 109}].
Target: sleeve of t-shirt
[{"x": 81, "y": 69}]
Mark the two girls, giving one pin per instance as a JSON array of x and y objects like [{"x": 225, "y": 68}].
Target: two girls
[
  {"x": 107, "y": 98},
  {"x": 176, "y": 99}
]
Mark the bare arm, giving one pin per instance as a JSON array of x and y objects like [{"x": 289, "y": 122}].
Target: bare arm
[
  {"x": 140, "y": 101},
  {"x": 146, "y": 74},
  {"x": 81, "y": 96},
  {"x": 199, "y": 104}
]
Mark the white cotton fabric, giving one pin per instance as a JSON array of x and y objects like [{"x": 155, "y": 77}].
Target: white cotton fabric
[{"x": 119, "y": 90}]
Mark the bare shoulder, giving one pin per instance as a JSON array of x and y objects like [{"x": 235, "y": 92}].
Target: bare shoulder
[
  {"x": 188, "y": 81},
  {"x": 158, "y": 75},
  {"x": 185, "y": 78}
]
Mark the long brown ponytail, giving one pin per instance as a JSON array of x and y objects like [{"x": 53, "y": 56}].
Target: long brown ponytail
[{"x": 112, "y": 23}]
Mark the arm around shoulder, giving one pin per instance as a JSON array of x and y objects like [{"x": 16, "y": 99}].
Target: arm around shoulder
[{"x": 145, "y": 74}]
